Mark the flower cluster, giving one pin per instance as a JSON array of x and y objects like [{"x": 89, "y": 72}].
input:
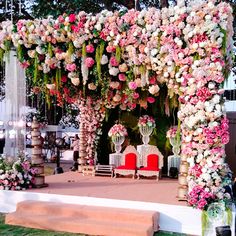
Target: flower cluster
[
  {"x": 91, "y": 115},
  {"x": 199, "y": 198},
  {"x": 146, "y": 121},
  {"x": 171, "y": 133},
  {"x": 16, "y": 175},
  {"x": 117, "y": 130}
]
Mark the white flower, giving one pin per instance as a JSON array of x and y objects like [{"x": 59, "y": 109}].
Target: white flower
[
  {"x": 104, "y": 60},
  {"x": 114, "y": 71},
  {"x": 75, "y": 81},
  {"x": 154, "y": 52},
  {"x": 216, "y": 99},
  {"x": 154, "y": 89}
]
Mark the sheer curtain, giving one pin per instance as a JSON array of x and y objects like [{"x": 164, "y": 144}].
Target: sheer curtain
[{"x": 15, "y": 108}]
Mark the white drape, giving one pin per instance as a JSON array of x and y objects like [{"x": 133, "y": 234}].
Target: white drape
[{"x": 15, "y": 106}]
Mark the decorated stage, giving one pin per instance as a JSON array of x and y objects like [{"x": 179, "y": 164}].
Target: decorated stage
[{"x": 143, "y": 194}]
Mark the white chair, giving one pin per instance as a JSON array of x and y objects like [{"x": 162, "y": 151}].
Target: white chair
[
  {"x": 129, "y": 161},
  {"x": 152, "y": 163}
]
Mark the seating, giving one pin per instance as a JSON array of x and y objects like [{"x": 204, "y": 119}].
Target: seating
[
  {"x": 153, "y": 162},
  {"x": 128, "y": 162}
]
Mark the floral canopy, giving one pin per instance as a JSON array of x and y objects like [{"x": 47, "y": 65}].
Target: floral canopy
[{"x": 124, "y": 58}]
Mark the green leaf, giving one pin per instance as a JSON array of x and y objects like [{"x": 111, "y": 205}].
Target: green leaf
[
  {"x": 204, "y": 222},
  {"x": 118, "y": 53}
]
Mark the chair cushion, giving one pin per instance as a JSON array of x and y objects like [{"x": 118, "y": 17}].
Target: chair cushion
[
  {"x": 124, "y": 168},
  {"x": 149, "y": 168},
  {"x": 130, "y": 161},
  {"x": 152, "y": 161}
]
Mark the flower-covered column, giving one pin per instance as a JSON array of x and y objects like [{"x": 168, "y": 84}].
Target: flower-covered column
[
  {"x": 204, "y": 125},
  {"x": 90, "y": 118}
]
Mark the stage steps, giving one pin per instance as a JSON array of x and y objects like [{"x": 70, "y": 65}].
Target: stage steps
[{"x": 84, "y": 219}]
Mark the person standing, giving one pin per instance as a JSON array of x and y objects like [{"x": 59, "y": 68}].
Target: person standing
[{"x": 75, "y": 146}]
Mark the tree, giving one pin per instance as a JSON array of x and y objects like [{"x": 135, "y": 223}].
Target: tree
[{"x": 19, "y": 10}]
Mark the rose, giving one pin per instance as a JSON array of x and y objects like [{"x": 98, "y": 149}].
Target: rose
[
  {"x": 90, "y": 48},
  {"x": 225, "y": 138},
  {"x": 72, "y": 18},
  {"x": 92, "y": 86},
  {"x": 122, "y": 77},
  {"x": 117, "y": 98},
  {"x": 113, "y": 61},
  {"x": 123, "y": 67},
  {"x": 132, "y": 85},
  {"x": 154, "y": 89},
  {"x": 71, "y": 67},
  {"x": 151, "y": 99},
  {"x": 113, "y": 71},
  {"x": 89, "y": 62},
  {"x": 75, "y": 81},
  {"x": 110, "y": 49}
]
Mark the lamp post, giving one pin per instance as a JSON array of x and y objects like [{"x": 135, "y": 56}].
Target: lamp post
[{"x": 59, "y": 142}]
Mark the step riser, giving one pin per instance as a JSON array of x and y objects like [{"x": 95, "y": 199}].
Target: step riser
[
  {"x": 91, "y": 229},
  {"x": 84, "y": 219},
  {"x": 85, "y": 212}
]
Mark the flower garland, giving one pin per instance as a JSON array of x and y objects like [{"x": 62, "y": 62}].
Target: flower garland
[{"x": 117, "y": 130}]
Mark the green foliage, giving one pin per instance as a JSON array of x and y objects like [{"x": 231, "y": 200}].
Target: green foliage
[
  {"x": 229, "y": 216},
  {"x": 205, "y": 222},
  {"x": 118, "y": 54}
]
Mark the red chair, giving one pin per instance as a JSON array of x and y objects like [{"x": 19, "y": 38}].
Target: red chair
[
  {"x": 151, "y": 168},
  {"x": 129, "y": 163}
]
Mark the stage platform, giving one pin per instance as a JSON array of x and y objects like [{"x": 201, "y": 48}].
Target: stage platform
[{"x": 143, "y": 194}]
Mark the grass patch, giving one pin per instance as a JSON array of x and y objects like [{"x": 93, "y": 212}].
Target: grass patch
[{"x": 11, "y": 230}]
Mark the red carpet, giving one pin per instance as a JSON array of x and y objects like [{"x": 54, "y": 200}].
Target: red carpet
[{"x": 84, "y": 219}]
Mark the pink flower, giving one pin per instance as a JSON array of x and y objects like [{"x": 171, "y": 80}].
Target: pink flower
[
  {"x": 110, "y": 49},
  {"x": 122, "y": 77},
  {"x": 63, "y": 79},
  {"x": 225, "y": 138},
  {"x": 72, "y": 18},
  {"x": 89, "y": 62},
  {"x": 71, "y": 67},
  {"x": 25, "y": 64},
  {"x": 90, "y": 48},
  {"x": 61, "y": 19},
  {"x": 135, "y": 95},
  {"x": 151, "y": 99},
  {"x": 152, "y": 80},
  {"x": 123, "y": 67},
  {"x": 132, "y": 85},
  {"x": 114, "y": 62}
]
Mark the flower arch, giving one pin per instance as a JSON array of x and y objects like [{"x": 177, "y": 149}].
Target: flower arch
[{"x": 125, "y": 58}]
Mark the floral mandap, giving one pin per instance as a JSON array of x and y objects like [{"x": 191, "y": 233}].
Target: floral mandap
[{"x": 124, "y": 59}]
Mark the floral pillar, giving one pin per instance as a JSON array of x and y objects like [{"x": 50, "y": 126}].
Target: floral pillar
[
  {"x": 90, "y": 118},
  {"x": 204, "y": 125}
]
